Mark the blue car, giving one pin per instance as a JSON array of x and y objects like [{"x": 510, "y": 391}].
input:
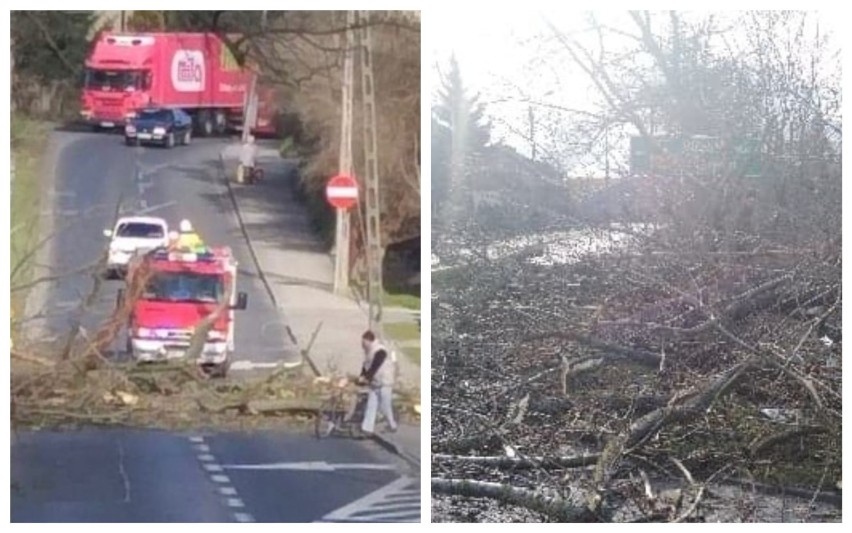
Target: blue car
[{"x": 159, "y": 125}]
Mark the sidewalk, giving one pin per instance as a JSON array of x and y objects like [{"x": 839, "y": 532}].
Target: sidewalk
[{"x": 299, "y": 273}]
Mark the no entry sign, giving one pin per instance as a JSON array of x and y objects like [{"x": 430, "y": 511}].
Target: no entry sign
[{"x": 342, "y": 192}]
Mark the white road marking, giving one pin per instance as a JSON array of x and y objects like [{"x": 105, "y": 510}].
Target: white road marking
[
  {"x": 315, "y": 466},
  {"x": 157, "y": 207},
  {"x": 207, "y": 462},
  {"x": 153, "y": 169},
  {"x": 249, "y": 365},
  {"x": 375, "y": 507},
  {"x": 143, "y": 186}
]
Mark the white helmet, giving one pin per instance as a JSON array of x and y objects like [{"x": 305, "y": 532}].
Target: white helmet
[{"x": 185, "y": 226}]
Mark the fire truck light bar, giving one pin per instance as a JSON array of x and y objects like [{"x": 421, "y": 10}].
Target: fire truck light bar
[{"x": 185, "y": 257}]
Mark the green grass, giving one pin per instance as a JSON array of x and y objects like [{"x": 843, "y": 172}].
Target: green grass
[
  {"x": 406, "y": 301},
  {"x": 413, "y": 353},
  {"x": 402, "y": 331},
  {"x": 29, "y": 138}
]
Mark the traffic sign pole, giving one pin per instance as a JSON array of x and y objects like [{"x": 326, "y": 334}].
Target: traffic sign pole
[
  {"x": 341, "y": 253},
  {"x": 342, "y": 228}
]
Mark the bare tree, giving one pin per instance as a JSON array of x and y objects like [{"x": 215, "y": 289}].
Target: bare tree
[{"x": 676, "y": 356}]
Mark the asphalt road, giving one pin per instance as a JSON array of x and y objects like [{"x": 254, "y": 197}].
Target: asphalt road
[
  {"x": 126, "y": 475},
  {"x": 121, "y": 475},
  {"x": 98, "y": 174}
]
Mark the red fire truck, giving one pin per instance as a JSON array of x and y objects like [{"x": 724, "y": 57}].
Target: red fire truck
[
  {"x": 181, "y": 290},
  {"x": 195, "y": 72}
]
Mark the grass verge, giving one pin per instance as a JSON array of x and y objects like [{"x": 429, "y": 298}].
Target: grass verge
[
  {"x": 406, "y": 301},
  {"x": 413, "y": 353},
  {"x": 404, "y": 333},
  {"x": 29, "y": 138}
]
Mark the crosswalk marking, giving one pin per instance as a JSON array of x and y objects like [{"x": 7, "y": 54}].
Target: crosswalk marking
[{"x": 398, "y": 501}]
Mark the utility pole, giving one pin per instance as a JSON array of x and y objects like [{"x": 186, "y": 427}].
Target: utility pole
[
  {"x": 12, "y": 79},
  {"x": 342, "y": 231},
  {"x": 371, "y": 178},
  {"x": 250, "y": 107},
  {"x": 123, "y": 22}
]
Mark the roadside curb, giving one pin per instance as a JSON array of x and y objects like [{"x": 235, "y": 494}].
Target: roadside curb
[
  {"x": 223, "y": 175},
  {"x": 388, "y": 444}
]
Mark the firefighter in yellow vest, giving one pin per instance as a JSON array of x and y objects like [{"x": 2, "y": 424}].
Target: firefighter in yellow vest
[{"x": 188, "y": 239}]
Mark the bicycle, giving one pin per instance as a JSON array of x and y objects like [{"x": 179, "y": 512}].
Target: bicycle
[
  {"x": 342, "y": 412},
  {"x": 250, "y": 175}
]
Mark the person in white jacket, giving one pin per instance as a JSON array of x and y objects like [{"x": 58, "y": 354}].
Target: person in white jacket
[{"x": 379, "y": 373}]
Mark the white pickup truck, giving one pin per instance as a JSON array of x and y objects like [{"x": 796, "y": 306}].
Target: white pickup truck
[{"x": 131, "y": 236}]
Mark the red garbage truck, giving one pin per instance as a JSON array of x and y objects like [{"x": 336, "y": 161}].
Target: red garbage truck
[{"x": 195, "y": 72}]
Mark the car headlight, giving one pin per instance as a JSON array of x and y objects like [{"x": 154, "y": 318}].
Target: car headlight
[
  {"x": 159, "y": 131},
  {"x": 144, "y": 332}
]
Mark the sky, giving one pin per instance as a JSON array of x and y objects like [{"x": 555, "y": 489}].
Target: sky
[
  {"x": 501, "y": 55},
  {"x": 488, "y": 53},
  {"x": 499, "y": 61}
]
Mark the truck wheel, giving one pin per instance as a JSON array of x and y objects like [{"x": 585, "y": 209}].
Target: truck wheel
[
  {"x": 205, "y": 123},
  {"x": 170, "y": 140},
  {"x": 221, "y": 123}
]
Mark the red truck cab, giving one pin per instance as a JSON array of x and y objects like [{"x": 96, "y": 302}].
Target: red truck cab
[
  {"x": 195, "y": 72},
  {"x": 182, "y": 290},
  {"x": 118, "y": 78}
]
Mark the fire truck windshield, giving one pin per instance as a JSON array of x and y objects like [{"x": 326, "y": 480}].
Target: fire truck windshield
[
  {"x": 118, "y": 80},
  {"x": 184, "y": 287}
]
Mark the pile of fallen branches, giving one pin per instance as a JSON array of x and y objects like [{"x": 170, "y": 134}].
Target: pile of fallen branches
[
  {"x": 83, "y": 380},
  {"x": 585, "y": 391}
]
